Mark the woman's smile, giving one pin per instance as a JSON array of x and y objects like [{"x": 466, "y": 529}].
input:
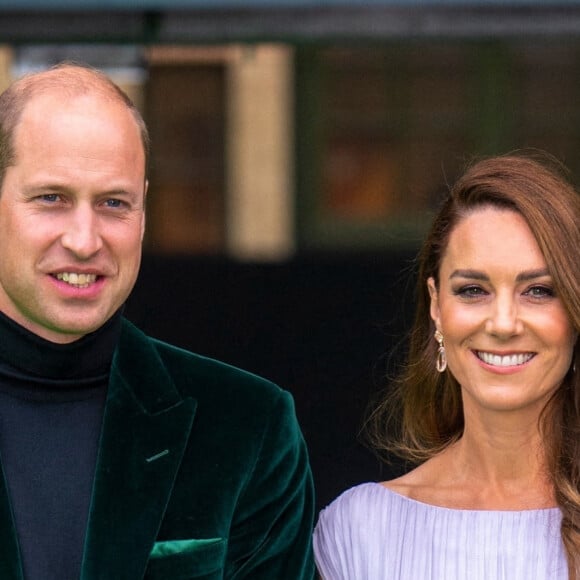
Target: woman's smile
[{"x": 504, "y": 360}]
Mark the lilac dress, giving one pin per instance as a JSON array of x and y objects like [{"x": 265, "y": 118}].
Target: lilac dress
[{"x": 373, "y": 533}]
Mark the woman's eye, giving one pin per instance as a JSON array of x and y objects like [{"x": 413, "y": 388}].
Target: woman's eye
[
  {"x": 540, "y": 291},
  {"x": 470, "y": 291}
]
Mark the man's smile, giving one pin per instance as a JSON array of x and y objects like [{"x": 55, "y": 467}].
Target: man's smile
[{"x": 78, "y": 280}]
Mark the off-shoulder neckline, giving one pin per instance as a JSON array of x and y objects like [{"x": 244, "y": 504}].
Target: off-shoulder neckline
[{"x": 406, "y": 499}]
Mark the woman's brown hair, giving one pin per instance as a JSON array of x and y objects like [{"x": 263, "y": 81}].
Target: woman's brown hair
[{"x": 423, "y": 413}]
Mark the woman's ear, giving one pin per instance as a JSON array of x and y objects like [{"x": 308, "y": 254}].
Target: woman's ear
[{"x": 434, "y": 309}]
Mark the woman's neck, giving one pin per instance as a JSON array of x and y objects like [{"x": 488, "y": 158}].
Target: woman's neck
[
  {"x": 497, "y": 464},
  {"x": 500, "y": 469}
]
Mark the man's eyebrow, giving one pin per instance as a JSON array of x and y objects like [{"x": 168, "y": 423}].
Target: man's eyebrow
[
  {"x": 116, "y": 192},
  {"x": 521, "y": 277},
  {"x": 43, "y": 188},
  {"x": 58, "y": 188}
]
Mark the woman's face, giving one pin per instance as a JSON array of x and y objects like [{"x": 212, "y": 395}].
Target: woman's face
[{"x": 508, "y": 339}]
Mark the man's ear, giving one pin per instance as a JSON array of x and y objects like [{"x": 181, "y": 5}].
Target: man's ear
[
  {"x": 434, "y": 308},
  {"x": 145, "y": 188}
]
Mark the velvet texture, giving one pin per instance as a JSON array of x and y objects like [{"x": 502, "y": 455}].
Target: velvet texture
[{"x": 202, "y": 473}]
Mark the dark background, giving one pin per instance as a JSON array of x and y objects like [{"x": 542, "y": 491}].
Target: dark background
[{"x": 327, "y": 328}]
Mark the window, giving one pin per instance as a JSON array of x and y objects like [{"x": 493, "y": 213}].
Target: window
[
  {"x": 382, "y": 130},
  {"x": 185, "y": 112}
]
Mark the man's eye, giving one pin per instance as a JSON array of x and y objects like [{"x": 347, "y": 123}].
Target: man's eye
[
  {"x": 50, "y": 197},
  {"x": 114, "y": 203}
]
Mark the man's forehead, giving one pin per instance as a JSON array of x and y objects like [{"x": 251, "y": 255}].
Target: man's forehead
[
  {"x": 54, "y": 101},
  {"x": 49, "y": 106}
]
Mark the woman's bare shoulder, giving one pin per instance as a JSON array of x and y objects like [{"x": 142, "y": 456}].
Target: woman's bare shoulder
[{"x": 426, "y": 483}]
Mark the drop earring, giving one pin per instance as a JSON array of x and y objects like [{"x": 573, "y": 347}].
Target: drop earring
[{"x": 441, "y": 363}]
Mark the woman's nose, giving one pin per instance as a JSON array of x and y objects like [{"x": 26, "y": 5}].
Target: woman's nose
[{"x": 504, "y": 320}]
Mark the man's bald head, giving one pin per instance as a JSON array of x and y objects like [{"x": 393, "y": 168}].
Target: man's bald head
[{"x": 68, "y": 80}]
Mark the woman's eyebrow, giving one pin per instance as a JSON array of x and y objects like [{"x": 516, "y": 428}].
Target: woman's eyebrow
[
  {"x": 472, "y": 274},
  {"x": 521, "y": 277},
  {"x": 533, "y": 274}
]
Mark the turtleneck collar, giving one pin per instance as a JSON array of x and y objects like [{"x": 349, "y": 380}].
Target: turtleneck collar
[{"x": 24, "y": 354}]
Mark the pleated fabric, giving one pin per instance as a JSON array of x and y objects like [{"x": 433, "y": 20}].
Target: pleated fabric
[{"x": 372, "y": 533}]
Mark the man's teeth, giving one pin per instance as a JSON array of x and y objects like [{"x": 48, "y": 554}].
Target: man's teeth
[
  {"x": 78, "y": 280},
  {"x": 510, "y": 360}
]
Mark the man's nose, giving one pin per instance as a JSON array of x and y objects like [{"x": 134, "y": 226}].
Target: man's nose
[
  {"x": 82, "y": 233},
  {"x": 504, "y": 319}
]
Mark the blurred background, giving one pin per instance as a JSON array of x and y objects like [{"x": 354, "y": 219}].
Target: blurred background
[{"x": 299, "y": 149}]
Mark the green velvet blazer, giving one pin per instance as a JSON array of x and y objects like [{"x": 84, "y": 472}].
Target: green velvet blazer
[{"x": 202, "y": 473}]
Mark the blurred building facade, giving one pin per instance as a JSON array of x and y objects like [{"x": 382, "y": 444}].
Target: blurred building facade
[
  {"x": 298, "y": 151},
  {"x": 318, "y": 137}
]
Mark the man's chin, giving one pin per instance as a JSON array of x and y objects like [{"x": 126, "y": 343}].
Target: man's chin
[{"x": 67, "y": 331}]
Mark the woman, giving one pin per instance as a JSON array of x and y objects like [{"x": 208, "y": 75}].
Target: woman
[{"x": 489, "y": 403}]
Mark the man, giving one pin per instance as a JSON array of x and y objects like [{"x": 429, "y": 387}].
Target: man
[{"x": 122, "y": 457}]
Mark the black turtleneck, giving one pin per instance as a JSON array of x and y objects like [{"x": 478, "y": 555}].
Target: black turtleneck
[{"x": 51, "y": 405}]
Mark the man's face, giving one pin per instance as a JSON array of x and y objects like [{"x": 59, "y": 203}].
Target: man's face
[{"x": 71, "y": 215}]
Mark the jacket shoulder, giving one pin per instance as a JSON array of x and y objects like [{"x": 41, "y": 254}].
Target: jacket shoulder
[{"x": 204, "y": 377}]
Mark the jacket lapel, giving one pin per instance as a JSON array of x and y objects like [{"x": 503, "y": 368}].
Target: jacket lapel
[
  {"x": 10, "y": 563},
  {"x": 145, "y": 431}
]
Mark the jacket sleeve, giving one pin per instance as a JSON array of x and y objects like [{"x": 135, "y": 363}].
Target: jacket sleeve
[{"x": 272, "y": 527}]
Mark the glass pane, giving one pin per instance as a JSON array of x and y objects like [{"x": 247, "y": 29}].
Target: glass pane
[
  {"x": 389, "y": 127},
  {"x": 185, "y": 110}
]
